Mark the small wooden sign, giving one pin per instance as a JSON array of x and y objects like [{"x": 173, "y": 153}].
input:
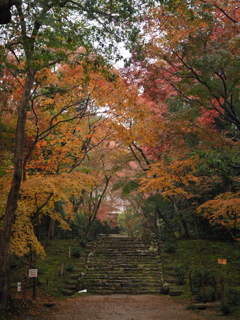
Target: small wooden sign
[
  {"x": 222, "y": 261},
  {"x": 33, "y": 273}
]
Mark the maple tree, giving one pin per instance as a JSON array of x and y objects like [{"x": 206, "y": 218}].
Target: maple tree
[
  {"x": 201, "y": 60},
  {"x": 223, "y": 210},
  {"x": 61, "y": 130},
  {"x": 41, "y": 35}
]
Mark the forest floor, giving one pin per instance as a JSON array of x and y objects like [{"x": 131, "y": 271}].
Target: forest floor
[
  {"x": 127, "y": 307},
  {"x": 122, "y": 307}
]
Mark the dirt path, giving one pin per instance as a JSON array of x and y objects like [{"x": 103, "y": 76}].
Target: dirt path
[{"x": 124, "y": 307}]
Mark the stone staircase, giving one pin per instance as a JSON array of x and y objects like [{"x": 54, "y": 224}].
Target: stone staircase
[
  {"x": 169, "y": 275},
  {"x": 121, "y": 265},
  {"x": 72, "y": 284}
]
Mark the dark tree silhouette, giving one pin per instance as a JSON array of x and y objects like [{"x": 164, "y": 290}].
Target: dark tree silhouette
[{"x": 5, "y": 11}]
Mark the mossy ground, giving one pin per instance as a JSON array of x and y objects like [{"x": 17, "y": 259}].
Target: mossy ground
[
  {"x": 52, "y": 273},
  {"x": 187, "y": 254},
  {"x": 194, "y": 258}
]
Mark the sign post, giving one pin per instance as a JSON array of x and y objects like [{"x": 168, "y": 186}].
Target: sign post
[
  {"x": 33, "y": 273},
  {"x": 19, "y": 286},
  {"x": 222, "y": 262}
]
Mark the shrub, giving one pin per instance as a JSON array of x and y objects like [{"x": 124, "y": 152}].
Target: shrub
[
  {"x": 180, "y": 274},
  {"x": 69, "y": 268},
  {"x": 233, "y": 297},
  {"x": 197, "y": 283},
  {"x": 231, "y": 301},
  {"x": 226, "y": 307},
  {"x": 237, "y": 258},
  {"x": 41, "y": 271},
  {"x": 77, "y": 252},
  {"x": 170, "y": 246},
  {"x": 198, "y": 275},
  {"x": 83, "y": 242},
  {"x": 208, "y": 296}
]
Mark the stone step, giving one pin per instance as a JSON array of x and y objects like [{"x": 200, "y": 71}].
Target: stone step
[
  {"x": 104, "y": 291},
  {"x": 81, "y": 264},
  {"x": 119, "y": 285},
  {"x": 170, "y": 273},
  {"x": 122, "y": 280},
  {"x": 105, "y": 261},
  {"x": 121, "y": 276},
  {"x": 118, "y": 275},
  {"x": 122, "y": 259},
  {"x": 120, "y": 267},
  {"x": 119, "y": 255},
  {"x": 70, "y": 286},
  {"x": 170, "y": 267},
  {"x": 175, "y": 292},
  {"x": 73, "y": 276},
  {"x": 123, "y": 265},
  {"x": 71, "y": 282},
  {"x": 78, "y": 271},
  {"x": 123, "y": 248},
  {"x": 68, "y": 292},
  {"x": 126, "y": 282},
  {"x": 173, "y": 280}
]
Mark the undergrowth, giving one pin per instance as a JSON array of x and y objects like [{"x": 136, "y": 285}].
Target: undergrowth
[{"x": 202, "y": 267}]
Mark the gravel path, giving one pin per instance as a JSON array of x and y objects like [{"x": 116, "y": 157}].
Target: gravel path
[{"x": 123, "y": 307}]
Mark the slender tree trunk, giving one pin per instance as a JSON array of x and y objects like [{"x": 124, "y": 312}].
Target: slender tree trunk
[
  {"x": 170, "y": 229},
  {"x": 93, "y": 209},
  {"x": 14, "y": 191},
  {"x": 51, "y": 229},
  {"x": 182, "y": 223},
  {"x": 198, "y": 232}
]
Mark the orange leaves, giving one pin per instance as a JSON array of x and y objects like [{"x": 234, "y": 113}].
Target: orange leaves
[
  {"x": 170, "y": 177},
  {"x": 223, "y": 210},
  {"x": 46, "y": 76},
  {"x": 64, "y": 124}
]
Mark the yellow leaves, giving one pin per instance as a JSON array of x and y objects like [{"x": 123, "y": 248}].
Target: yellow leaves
[
  {"x": 223, "y": 210},
  {"x": 140, "y": 122},
  {"x": 39, "y": 196},
  {"x": 37, "y": 189},
  {"x": 5, "y": 184},
  {"x": 23, "y": 235},
  {"x": 46, "y": 76}
]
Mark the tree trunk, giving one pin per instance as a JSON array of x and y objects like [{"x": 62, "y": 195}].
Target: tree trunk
[
  {"x": 181, "y": 221},
  {"x": 51, "y": 229},
  {"x": 14, "y": 191},
  {"x": 198, "y": 233},
  {"x": 169, "y": 227}
]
